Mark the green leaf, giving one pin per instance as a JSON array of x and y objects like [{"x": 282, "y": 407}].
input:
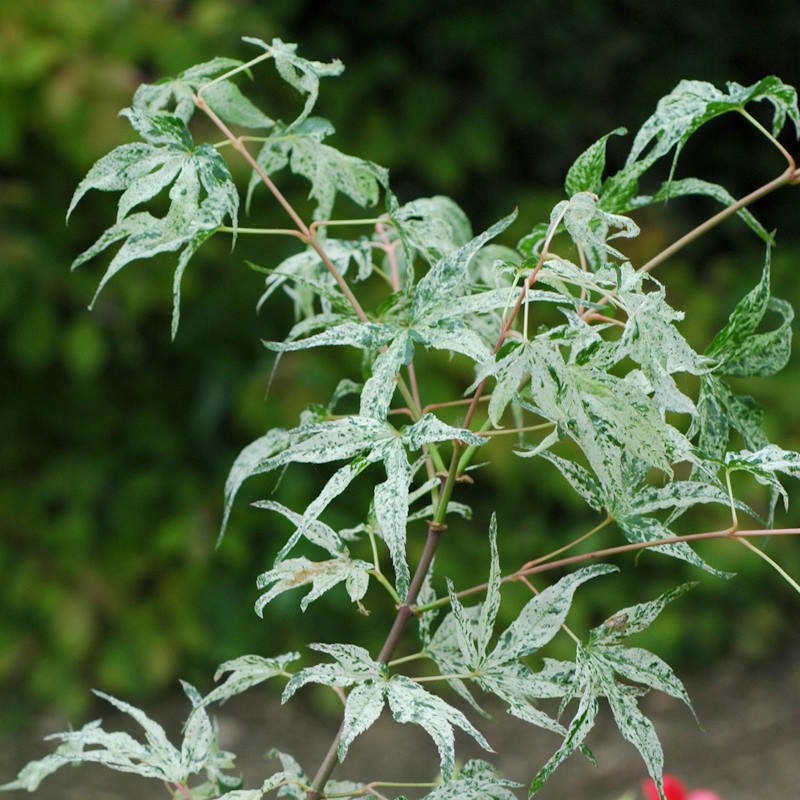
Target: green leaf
[
  {"x": 764, "y": 463},
  {"x": 198, "y": 734},
  {"x": 721, "y": 411},
  {"x": 202, "y": 196},
  {"x": 586, "y": 173},
  {"x": 579, "y": 727},
  {"x": 353, "y": 664},
  {"x": 391, "y": 509},
  {"x": 739, "y": 349},
  {"x": 542, "y": 617},
  {"x": 618, "y": 191},
  {"x": 591, "y": 227},
  {"x": 693, "y": 103},
  {"x": 640, "y": 529},
  {"x": 363, "y": 707},
  {"x": 301, "y": 74},
  {"x": 322, "y": 575},
  {"x": 433, "y": 227},
  {"x": 316, "y": 532},
  {"x": 448, "y": 278},
  {"x": 409, "y": 702},
  {"x": 476, "y": 780},
  {"x": 176, "y": 96},
  {"x": 245, "y": 672},
  {"x": 330, "y": 171}
]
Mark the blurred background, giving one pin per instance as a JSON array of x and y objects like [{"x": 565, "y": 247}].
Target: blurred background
[{"x": 115, "y": 443}]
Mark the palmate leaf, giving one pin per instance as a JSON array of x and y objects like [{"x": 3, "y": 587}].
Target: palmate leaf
[
  {"x": 448, "y": 278},
  {"x": 598, "y": 663},
  {"x": 740, "y": 350},
  {"x": 201, "y": 197},
  {"x": 432, "y": 320},
  {"x": 317, "y": 532},
  {"x": 443, "y": 333},
  {"x": 541, "y": 617},
  {"x": 373, "y": 688},
  {"x": 763, "y": 465},
  {"x": 586, "y": 173},
  {"x": 693, "y": 103},
  {"x": 431, "y": 227},
  {"x": 155, "y": 757},
  {"x": 639, "y": 529},
  {"x": 323, "y": 575},
  {"x": 461, "y": 641},
  {"x": 352, "y": 665},
  {"x": 409, "y": 702},
  {"x": 304, "y": 277},
  {"x": 720, "y": 412},
  {"x": 176, "y": 96},
  {"x": 591, "y": 227},
  {"x": 678, "y": 115},
  {"x": 245, "y": 672},
  {"x": 613, "y": 421},
  {"x": 198, "y": 734},
  {"x": 476, "y": 780},
  {"x": 651, "y": 339},
  {"x": 301, "y": 74},
  {"x": 328, "y": 170},
  {"x": 360, "y": 440}
]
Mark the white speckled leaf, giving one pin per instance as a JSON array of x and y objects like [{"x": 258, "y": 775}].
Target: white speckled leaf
[{"x": 409, "y": 702}]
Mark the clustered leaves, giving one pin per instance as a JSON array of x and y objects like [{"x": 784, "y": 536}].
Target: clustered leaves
[{"x": 598, "y": 395}]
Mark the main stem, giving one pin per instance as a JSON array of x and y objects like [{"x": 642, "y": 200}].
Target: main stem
[{"x": 436, "y": 528}]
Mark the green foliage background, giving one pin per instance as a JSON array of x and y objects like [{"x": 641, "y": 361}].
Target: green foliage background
[{"x": 114, "y": 444}]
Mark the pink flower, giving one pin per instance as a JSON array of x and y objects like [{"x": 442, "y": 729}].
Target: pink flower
[{"x": 675, "y": 790}]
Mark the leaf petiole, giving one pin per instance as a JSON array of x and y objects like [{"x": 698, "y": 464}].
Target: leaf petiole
[
  {"x": 236, "y": 70},
  {"x": 774, "y": 564}
]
